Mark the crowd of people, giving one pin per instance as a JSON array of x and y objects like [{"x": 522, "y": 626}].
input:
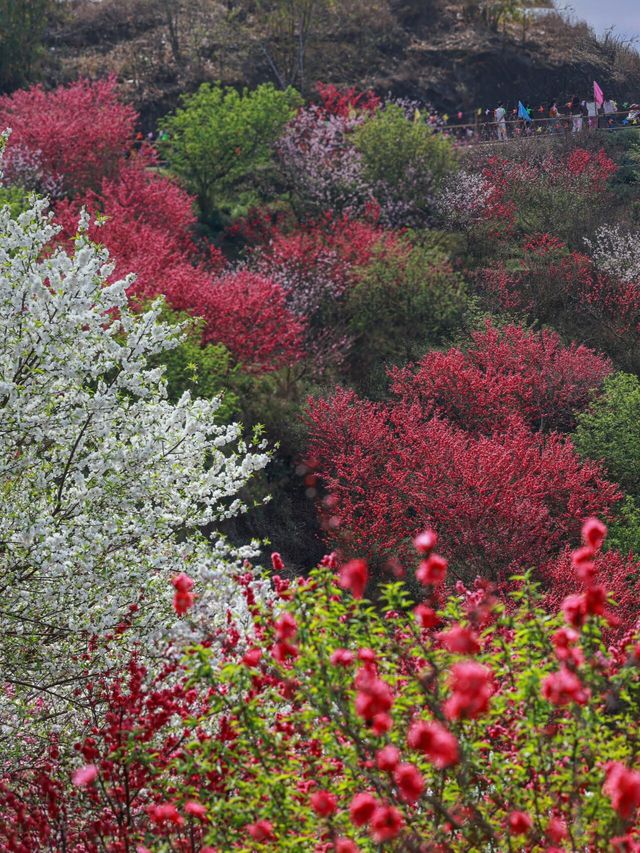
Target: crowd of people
[{"x": 503, "y": 122}]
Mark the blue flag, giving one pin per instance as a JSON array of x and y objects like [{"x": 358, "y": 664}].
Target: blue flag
[{"x": 523, "y": 112}]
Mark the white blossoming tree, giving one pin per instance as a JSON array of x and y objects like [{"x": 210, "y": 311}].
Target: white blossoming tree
[
  {"x": 614, "y": 250},
  {"x": 106, "y": 488}
]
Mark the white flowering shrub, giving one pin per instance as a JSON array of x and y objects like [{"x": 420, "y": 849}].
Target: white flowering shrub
[
  {"x": 107, "y": 490},
  {"x": 614, "y": 250},
  {"x": 463, "y": 198}
]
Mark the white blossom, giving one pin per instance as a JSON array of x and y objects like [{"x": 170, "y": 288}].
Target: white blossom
[
  {"x": 615, "y": 251},
  {"x": 107, "y": 490},
  {"x": 463, "y": 198}
]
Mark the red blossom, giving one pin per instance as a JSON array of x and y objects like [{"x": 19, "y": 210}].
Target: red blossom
[
  {"x": 354, "y": 576},
  {"x": 622, "y": 786},
  {"x": 262, "y": 830},
  {"x": 381, "y": 724},
  {"x": 84, "y": 776},
  {"x": 346, "y": 845},
  {"x": 277, "y": 562},
  {"x": 342, "y": 657},
  {"x": 386, "y": 824},
  {"x": 409, "y": 781},
  {"x": 433, "y": 570},
  {"x": 557, "y": 830},
  {"x": 594, "y": 533},
  {"x": 283, "y": 651},
  {"x": 166, "y": 813},
  {"x": 388, "y": 758},
  {"x": 471, "y": 686},
  {"x": 195, "y": 809},
  {"x": 519, "y": 823},
  {"x": 252, "y": 657},
  {"x": 324, "y": 803},
  {"x": 563, "y": 688},
  {"x": 563, "y": 641},
  {"x": 426, "y": 616},
  {"x": 426, "y": 541},
  {"x": 435, "y": 741},
  {"x": 362, "y": 807},
  {"x": 286, "y": 627},
  {"x": 374, "y": 696},
  {"x": 460, "y": 640}
]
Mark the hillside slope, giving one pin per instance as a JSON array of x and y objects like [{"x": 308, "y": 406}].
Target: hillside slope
[{"x": 426, "y": 50}]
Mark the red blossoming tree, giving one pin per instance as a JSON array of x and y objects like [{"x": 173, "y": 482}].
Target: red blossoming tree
[
  {"x": 78, "y": 133},
  {"x": 502, "y": 373},
  {"x": 391, "y": 471}
]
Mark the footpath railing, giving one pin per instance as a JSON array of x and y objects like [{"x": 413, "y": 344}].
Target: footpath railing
[{"x": 483, "y": 131}]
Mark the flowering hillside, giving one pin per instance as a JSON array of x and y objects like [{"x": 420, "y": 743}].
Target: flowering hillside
[{"x": 319, "y": 481}]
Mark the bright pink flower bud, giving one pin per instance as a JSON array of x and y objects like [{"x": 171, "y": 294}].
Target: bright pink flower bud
[
  {"x": 563, "y": 641},
  {"x": 386, "y": 824},
  {"x": 574, "y": 610},
  {"x": 252, "y": 657},
  {"x": 346, "y": 845},
  {"x": 196, "y": 810},
  {"x": 563, "y": 688},
  {"x": 426, "y": 616},
  {"x": 585, "y": 554},
  {"x": 342, "y": 657},
  {"x": 459, "y": 640},
  {"x": 262, "y": 830},
  {"x": 472, "y": 687},
  {"x": 165, "y": 813},
  {"x": 519, "y": 823},
  {"x": 286, "y": 627},
  {"x": 277, "y": 562},
  {"x": 183, "y": 601},
  {"x": 182, "y": 582},
  {"x": 622, "y": 786},
  {"x": 362, "y": 808},
  {"x": 595, "y": 600},
  {"x": 367, "y": 655},
  {"x": 381, "y": 724},
  {"x": 374, "y": 696},
  {"x": 594, "y": 533},
  {"x": 426, "y": 541},
  {"x": 432, "y": 571},
  {"x": 84, "y": 776},
  {"x": 354, "y": 576},
  {"x": 284, "y": 651},
  {"x": 582, "y": 560},
  {"x": 435, "y": 741},
  {"x": 557, "y": 830},
  {"x": 388, "y": 758},
  {"x": 409, "y": 781},
  {"x": 323, "y": 803}
]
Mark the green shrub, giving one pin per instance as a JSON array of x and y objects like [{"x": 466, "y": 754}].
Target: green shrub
[
  {"x": 204, "y": 371},
  {"x": 220, "y": 137},
  {"x": 405, "y": 162},
  {"x": 15, "y": 198},
  {"x": 401, "y": 307},
  {"x": 610, "y": 431}
]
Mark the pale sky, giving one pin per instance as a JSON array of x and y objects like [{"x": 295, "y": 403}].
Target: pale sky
[{"x": 624, "y": 15}]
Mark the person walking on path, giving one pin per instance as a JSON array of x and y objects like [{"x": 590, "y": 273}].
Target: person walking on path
[
  {"x": 575, "y": 108},
  {"x": 500, "y": 116}
]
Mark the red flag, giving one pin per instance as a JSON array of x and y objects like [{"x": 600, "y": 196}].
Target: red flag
[{"x": 598, "y": 95}]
